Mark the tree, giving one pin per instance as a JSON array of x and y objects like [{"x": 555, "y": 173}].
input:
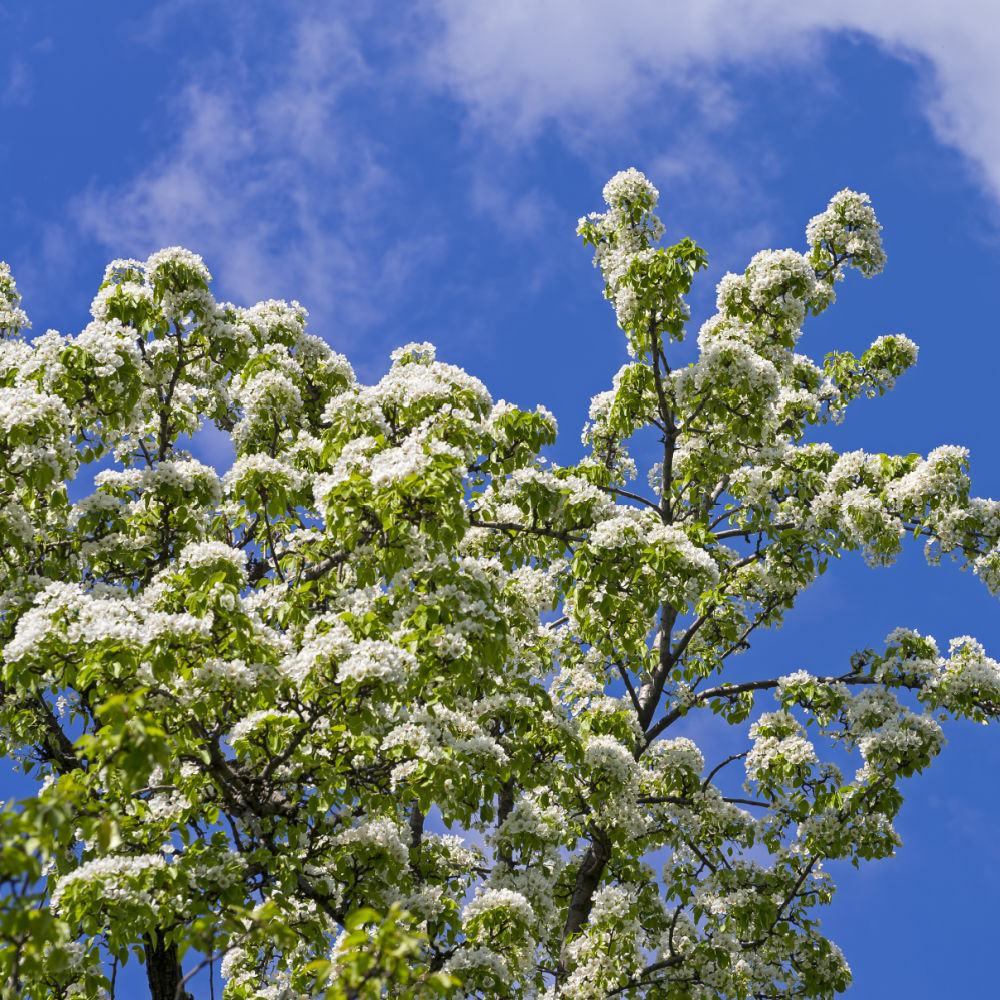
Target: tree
[{"x": 255, "y": 703}]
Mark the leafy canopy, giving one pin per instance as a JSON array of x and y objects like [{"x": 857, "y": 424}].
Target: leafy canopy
[{"x": 396, "y": 706}]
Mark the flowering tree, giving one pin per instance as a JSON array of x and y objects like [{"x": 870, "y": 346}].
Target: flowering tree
[{"x": 255, "y": 703}]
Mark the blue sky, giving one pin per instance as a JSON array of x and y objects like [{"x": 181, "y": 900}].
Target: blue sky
[{"x": 415, "y": 171}]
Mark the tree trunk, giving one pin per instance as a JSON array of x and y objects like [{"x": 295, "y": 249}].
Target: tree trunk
[
  {"x": 163, "y": 971},
  {"x": 588, "y": 878}
]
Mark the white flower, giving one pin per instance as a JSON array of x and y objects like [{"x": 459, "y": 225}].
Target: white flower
[
  {"x": 377, "y": 660},
  {"x": 629, "y": 186},
  {"x": 12, "y": 318},
  {"x": 487, "y": 900},
  {"x": 209, "y": 553},
  {"x": 112, "y": 874}
]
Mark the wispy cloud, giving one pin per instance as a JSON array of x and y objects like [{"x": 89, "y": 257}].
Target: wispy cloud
[
  {"x": 525, "y": 64},
  {"x": 531, "y": 64},
  {"x": 17, "y": 89},
  {"x": 261, "y": 174}
]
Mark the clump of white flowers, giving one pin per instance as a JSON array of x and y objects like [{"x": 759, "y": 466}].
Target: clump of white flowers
[
  {"x": 115, "y": 878},
  {"x": 13, "y": 318},
  {"x": 622, "y": 235},
  {"x": 211, "y": 553},
  {"x": 847, "y": 232}
]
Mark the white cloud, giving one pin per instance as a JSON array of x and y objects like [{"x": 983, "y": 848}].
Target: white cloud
[
  {"x": 514, "y": 214},
  {"x": 261, "y": 174},
  {"x": 527, "y": 64},
  {"x": 18, "y": 87},
  {"x": 526, "y": 61}
]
